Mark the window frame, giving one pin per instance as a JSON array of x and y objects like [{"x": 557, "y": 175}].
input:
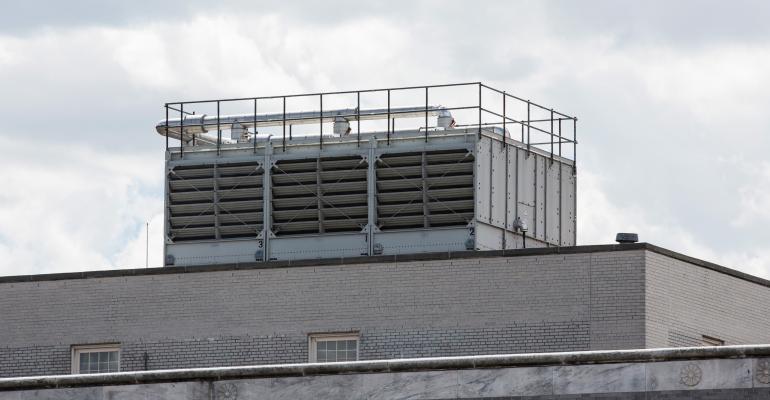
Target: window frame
[
  {"x": 77, "y": 350},
  {"x": 314, "y": 338}
]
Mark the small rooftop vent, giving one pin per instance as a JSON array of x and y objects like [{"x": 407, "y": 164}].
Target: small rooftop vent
[{"x": 626, "y": 238}]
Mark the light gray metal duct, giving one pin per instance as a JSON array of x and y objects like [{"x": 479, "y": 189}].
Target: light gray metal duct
[{"x": 197, "y": 125}]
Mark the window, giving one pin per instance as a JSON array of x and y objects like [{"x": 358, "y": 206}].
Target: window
[
  {"x": 712, "y": 341},
  {"x": 334, "y": 347},
  {"x": 95, "y": 359}
]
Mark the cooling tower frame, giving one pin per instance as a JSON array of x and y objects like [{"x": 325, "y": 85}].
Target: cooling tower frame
[{"x": 436, "y": 188}]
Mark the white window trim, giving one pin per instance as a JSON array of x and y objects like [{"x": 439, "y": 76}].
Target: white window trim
[
  {"x": 77, "y": 349},
  {"x": 314, "y": 338}
]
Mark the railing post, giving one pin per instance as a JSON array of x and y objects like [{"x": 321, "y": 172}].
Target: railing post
[
  {"x": 574, "y": 146},
  {"x": 560, "y": 137},
  {"x": 529, "y": 122},
  {"x": 358, "y": 119},
  {"x": 166, "y": 127},
  {"x": 321, "y": 124},
  {"x": 426, "y": 114},
  {"x": 479, "y": 134},
  {"x": 181, "y": 130},
  {"x": 552, "y": 136},
  {"x": 388, "y": 117},
  {"x": 504, "y": 122},
  {"x": 255, "y": 125},
  {"x": 283, "y": 123}
]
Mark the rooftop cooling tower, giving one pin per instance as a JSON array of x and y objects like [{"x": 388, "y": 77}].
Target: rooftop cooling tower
[{"x": 364, "y": 180}]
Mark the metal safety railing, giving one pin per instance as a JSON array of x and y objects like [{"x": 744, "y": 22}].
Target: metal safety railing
[{"x": 477, "y": 105}]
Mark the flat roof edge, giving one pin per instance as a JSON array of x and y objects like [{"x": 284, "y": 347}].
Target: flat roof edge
[
  {"x": 387, "y": 366},
  {"x": 585, "y": 249}
]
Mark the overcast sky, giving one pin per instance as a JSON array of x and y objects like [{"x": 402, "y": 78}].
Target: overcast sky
[{"x": 673, "y": 101}]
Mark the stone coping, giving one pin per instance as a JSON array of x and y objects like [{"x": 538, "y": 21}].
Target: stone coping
[
  {"x": 389, "y": 366},
  {"x": 386, "y": 259}
]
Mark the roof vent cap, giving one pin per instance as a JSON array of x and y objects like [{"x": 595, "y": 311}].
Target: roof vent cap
[{"x": 626, "y": 238}]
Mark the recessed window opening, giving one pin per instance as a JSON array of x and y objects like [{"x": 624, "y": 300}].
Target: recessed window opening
[
  {"x": 333, "y": 347},
  {"x": 95, "y": 359}
]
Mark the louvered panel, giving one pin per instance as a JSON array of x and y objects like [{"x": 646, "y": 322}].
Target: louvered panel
[
  {"x": 412, "y": 187},
  {"x": 311, "y": 192}
]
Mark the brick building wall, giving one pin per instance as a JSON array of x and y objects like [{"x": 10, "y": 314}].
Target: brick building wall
[
  {"x": 539, "y": 300},
  {"x": 463, "y": 306},
  {"x": 686, "y": 301}
]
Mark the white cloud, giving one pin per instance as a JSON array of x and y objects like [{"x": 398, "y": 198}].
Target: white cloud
[
  {"x": 69, "y": 207},
  {"x": 642, "y": 106}
]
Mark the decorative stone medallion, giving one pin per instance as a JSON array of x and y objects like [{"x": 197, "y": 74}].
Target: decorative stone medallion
[
  {"x": 691, "y": 374},
  {"x": 763, "y": 371},
  {"x": 228, "y": 391}
]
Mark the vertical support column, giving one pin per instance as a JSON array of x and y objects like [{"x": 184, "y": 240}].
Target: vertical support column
[
  {"x": 217, "y": 234},
  {"x": 507, "y": 195},
  {"x": 267, "y": 205},
  {"x": 319, "y": 195},
  {"x": 425, "y": 199},
  {"x": 491, "y": 179},
  {"x": 574, "y": 175},
  {"x": 371, "y": 193},
  {"x": 321, "y": 123},
  {"x": 166, "y": 213},
  {"x": 561, "y": 189}
]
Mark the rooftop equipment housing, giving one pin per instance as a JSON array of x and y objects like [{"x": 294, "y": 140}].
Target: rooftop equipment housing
[{"x": 273, "y": 181}]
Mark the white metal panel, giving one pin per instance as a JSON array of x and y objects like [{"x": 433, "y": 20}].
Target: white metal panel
[
  {"x": 327, "y": 245},
  {"x": 540, "y": 176},
  {"x": 567, "y": 206},
  {"x": 423, "y": 241},
  {"x": 512, "y": 179},
  {"x": 483, "y": 165},
  {"x": 498, "y": 190},
  {"x": 526, "y": 188},
  {"x": 553, "y": 195},
  {"x": 220, "y": 252},
  {"x": 488, "y": 237}
]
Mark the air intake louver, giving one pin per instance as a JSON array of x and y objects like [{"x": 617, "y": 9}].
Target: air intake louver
[
  {"x": 319, "y": 195},
  {"x": 208, "y": 202},
  {"x": 422, "y": 190}
]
